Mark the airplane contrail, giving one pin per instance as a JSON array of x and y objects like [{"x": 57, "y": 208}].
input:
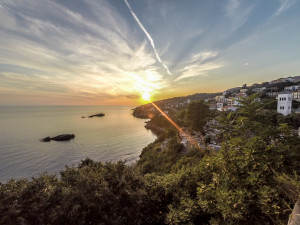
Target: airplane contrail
[{"x": 148, "y": 36}]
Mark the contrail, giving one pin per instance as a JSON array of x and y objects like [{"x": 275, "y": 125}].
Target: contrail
[{"x": 148, "y": 36}]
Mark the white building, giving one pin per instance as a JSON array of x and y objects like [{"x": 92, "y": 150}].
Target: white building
[
  {"x": 284, "y": 103},
  {"x": 296, "y": 95},
  {"x": 220, "y": 98},
  {"x": 220, "y": 106},
  {"x": 272, "y": 94},
  {"x": 259, "y": 89},
  {"x": 292, "y": 88},
  {"x": 229, "y": 101},
  {"x": 290, "y": 79},
  {"x": 237, "y": 100}
]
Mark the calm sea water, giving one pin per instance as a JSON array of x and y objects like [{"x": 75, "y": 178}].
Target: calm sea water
[{"x": 116, "y": 136}]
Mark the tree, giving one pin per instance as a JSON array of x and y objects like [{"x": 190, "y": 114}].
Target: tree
[{"x": 196, "y": 115}]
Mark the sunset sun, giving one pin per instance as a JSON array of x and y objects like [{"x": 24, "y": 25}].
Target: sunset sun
[{"x": 146, "y": 96}]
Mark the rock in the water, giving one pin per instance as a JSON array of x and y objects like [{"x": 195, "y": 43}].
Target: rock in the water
[
  {"x": 46, "y": 139},
  {"x": 97, "y": 115},
  {"x": 62, "y": 137}
]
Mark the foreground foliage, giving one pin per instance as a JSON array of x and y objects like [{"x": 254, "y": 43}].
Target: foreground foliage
[{"x": 93, "y": 193}]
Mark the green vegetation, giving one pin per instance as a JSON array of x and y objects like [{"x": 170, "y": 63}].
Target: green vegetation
[
  {"x": 253, "y": 179},
  {"x": 196, "y": 115},
  {"x": 154, "y": 159},
  {"x": 92, "y": 193}
]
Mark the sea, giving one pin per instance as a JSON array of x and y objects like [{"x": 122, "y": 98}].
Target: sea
[{"x": 116, "y": 136}]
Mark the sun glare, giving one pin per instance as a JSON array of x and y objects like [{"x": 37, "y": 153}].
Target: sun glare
[
  {"x": 146, "y": 96},
  {"x": 146, "y": 89}
]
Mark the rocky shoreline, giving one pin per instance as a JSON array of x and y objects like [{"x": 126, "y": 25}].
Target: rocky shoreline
[
  {"x": 155, "y": 129},
  {"x": 141, "y": 113}
]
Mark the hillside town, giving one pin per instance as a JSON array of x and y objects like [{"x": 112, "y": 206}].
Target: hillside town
[
  {"x": 285, "y": 90},
  {"x": 282, "y": 94},
  {"x": 229, "y": 100}
]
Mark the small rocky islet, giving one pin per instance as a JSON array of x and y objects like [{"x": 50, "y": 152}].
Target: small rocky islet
[
  {"x": 62, "y": 137},
  {"x": 95, "y": 115}
]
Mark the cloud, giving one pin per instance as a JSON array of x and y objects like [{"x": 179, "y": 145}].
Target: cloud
[
  {"x": 195, "y": 32},
  {"x": 148, "y": 36},
  {"x": 231, "y": 7},
  {"x": 131, "y": 96},
  {"x": 238, "y": 13},
  {"x": 79, "y": 56},
  {"x": 284, "y": 5},
  {"x": 203, "y": 56},
  {"x": 198, "y": 70},
  {"x": 30, "y": 83},
  {"x": 199, "y": 64}
]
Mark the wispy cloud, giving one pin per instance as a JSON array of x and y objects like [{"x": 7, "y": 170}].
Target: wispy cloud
[
  {"x": 199, "y": 65},
  {"x": 284, "y": 5},
  {"x": 238, "y": 13},
  {"x": 148, "y": 36},
  {"x": 203, "y": 56},
  {"x": 198, "y": 70},
  {"x": 232, "y": 7}
]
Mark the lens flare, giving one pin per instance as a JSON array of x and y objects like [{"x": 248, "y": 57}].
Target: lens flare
[
  {"x": 190, "y": 140},
  {"x": 168, "y": 118}
]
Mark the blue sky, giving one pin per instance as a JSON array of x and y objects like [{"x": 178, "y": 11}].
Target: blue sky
[{"x": 113, "y": 52}]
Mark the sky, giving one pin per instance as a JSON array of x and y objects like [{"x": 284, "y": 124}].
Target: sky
[{"x": 115, "y": 52}]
